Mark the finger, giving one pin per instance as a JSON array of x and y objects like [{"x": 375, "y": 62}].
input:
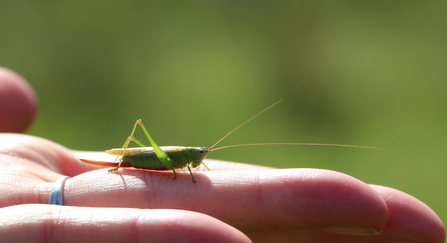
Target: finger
[
  {"x": 252, "y": 201},
  {"x": 47, "y": 154},
  {"x": 48, "y": 223},
  {"x": 18, "y": 102},
  {"x": 409, "y": 220},
  {"x": 27, "y": 163}
]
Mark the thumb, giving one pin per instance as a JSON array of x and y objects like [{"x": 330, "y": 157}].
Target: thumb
[{"x": 18, "y": 102}]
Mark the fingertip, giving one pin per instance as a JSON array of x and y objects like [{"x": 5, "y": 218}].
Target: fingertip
[
  {"x": 18, "y": 102},
  {"x": 410, "y": 218}
]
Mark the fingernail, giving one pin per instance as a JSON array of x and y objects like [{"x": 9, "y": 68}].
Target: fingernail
[{"x": 354, "y": 230}]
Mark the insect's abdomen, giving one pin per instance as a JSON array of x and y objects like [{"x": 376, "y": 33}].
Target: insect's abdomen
[{"x": 145, "y": 161}]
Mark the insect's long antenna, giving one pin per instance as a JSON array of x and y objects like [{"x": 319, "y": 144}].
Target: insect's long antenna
[
  {"x": 308, "y": 144},
  {"x": 258, "y": 144},
  {"x": 253, "y": 117}
]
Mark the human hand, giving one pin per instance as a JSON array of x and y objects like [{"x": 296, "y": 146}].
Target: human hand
[{"x": 227, "y": 203}]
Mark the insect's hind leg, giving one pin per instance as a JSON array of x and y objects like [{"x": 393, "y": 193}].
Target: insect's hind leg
[
  {"x": 126, "y": 145},
  {"x": 124, "y": 151},
  {"x": 142, "y": 145},
  {"x": 137, "y": 142},
  {"x": 161, "y": 155}
]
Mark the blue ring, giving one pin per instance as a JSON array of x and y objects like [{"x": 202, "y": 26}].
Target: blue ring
[{"x": 57, "y": 191}]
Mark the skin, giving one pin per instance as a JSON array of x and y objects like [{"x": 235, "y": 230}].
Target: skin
[{"x": 227, "y": 204}]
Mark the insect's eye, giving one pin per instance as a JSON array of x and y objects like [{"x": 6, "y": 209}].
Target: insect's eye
[{"x": 204, "y": 150}]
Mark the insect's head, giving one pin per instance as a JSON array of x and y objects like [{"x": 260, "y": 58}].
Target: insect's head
[{"x": 202, "y": 152}]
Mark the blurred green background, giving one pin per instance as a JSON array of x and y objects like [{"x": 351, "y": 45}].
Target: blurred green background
[{"x": 367, "y": 73}]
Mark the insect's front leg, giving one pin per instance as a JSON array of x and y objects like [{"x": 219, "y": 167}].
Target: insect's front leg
[{"x": 190, "y": 172}]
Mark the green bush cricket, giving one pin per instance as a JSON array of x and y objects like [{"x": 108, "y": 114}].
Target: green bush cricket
[{"x": 176, "y": 157}]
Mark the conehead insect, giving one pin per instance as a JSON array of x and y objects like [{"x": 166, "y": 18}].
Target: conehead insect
[{"x": 176, "y": 157}]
